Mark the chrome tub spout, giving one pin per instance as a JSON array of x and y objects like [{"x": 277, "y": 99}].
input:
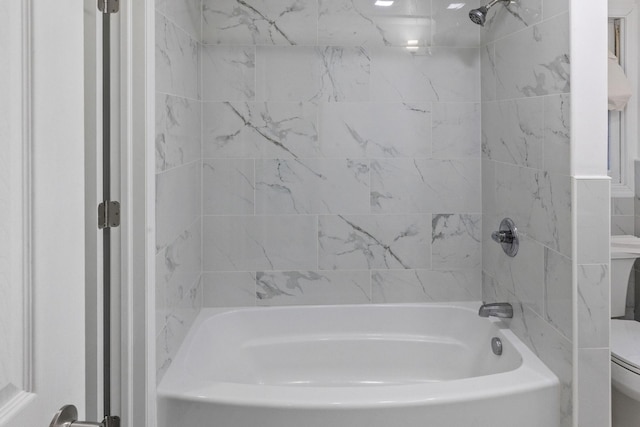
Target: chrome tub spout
[{"x": 503, "y": 310}]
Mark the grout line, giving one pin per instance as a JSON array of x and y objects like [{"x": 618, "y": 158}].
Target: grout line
[
  {"x": 289, "y": 214},
  {"x": 317, "y": 239},
  {"x": 350, "y": 270},
  {"x": 173, "y": 95},
  {"x": 202, "y": 181}
]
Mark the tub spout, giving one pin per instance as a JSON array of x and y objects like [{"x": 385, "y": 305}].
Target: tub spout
[{"x": 503, "y": 310}]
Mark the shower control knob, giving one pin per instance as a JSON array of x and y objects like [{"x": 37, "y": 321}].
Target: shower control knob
[
  {"x": 502, "y": 236},
  {"x": 507, "y": 237}
]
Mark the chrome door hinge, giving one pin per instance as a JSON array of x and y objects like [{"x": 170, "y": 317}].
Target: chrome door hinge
[
  {"x": 109, "y": 6},
  {"x": 111, "y": 421},
  {"x": 108, "y": 214}
]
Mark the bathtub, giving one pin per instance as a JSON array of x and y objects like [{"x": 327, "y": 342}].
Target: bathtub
[{"x": 401, "y": 365}]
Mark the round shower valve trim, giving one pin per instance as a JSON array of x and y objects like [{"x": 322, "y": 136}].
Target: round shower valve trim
[{"x": 507, "y": 236}]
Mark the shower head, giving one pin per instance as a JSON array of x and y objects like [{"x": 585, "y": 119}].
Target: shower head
[{"x": 479, "y": 15}]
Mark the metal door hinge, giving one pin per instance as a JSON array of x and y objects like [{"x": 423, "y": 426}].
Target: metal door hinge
[
  {"x": 108, "y": 214},
  {"x": 109, "y": 6},
  {"x": 111, "y": 421}
]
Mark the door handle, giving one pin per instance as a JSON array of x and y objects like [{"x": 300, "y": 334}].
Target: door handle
[{"x": 67, "y": 416}]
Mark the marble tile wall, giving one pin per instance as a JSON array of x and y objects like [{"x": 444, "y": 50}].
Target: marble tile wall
[
  {"x": 178, "y": 174},
  {"x": 338, "y": 165},
  {"x": 592, "y": 198},
  {"x": 526, "y": 177},
  {"x": 328, "y": 163}
]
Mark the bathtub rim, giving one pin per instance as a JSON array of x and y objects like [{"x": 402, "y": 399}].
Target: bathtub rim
[{"x": 531, "y": 375}]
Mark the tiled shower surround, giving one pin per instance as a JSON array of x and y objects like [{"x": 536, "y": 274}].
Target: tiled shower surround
[
  {"x": 327, "y": 158},
  {"x": 335, "y": 164},
  {"x": 526, "y": 176},
  {"x": 331, "y": 151},
  {"x": 338, "y": 165},
  {"x": 178, "y": 175}
]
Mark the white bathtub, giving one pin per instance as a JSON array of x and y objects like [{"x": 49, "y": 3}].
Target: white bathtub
[{"x": 403, "y": 365}]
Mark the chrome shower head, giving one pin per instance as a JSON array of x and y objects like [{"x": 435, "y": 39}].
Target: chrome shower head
[{"x": 479, "y": 15}]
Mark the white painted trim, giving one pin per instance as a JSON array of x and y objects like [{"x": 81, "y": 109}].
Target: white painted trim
[
  {"x": 148, "y": 235},
  {"x": 27, "y": 191},
  {"x": 21, "y": 363},
  {"x": 138, "y": 200},
  {"x": 628, "y": 11},
  {"x": 621, "y": 190},
  {"x": 127, "y": 333},
  {"x": 17, "y": 404},
  {"x": 56, "y": 180},
  {"x": 588, "y": 32},
  {"x": 591, "y": 177}
]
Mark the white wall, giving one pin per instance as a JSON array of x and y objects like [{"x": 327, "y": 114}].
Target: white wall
[{"x": 588, "y": 89}]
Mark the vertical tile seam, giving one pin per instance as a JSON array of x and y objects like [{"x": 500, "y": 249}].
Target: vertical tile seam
[
  {"x": 574, "y": 292},
  {"x": 201, "y": 99}
]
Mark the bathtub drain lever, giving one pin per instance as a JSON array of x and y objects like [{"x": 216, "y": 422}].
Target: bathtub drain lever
[{"x": 496, "y": 346}]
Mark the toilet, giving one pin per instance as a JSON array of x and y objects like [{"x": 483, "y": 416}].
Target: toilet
[{"x": 625, "y": 337}]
